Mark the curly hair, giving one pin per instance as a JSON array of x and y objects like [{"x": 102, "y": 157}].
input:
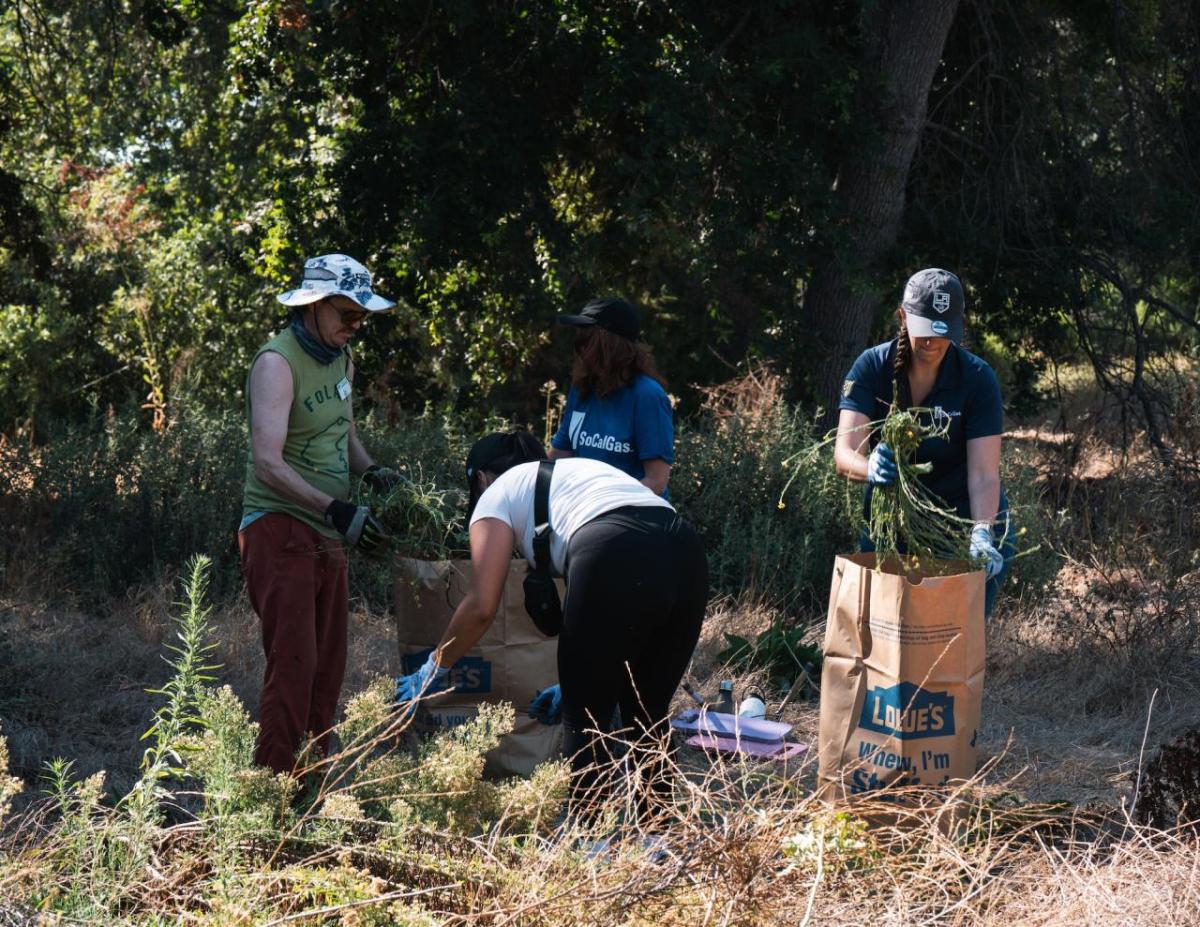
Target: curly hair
[{"x": 605, "y": 362}]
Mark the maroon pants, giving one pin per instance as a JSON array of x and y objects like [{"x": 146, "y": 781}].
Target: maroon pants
[{"x": 296, "y": 578}]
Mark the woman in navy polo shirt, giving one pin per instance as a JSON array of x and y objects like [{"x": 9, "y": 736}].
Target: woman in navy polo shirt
[
  {"x": 926, "y": 366},
  {"x": 617, "y": 409}
]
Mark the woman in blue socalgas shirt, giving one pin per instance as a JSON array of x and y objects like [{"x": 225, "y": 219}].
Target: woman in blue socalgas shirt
[
  {"x": 926, "y": 366},
  {"x": 617, "y": 409}
]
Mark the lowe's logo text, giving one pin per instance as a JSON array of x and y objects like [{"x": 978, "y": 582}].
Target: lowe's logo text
[
  {"x": 469, "y": 674},
  {"x": 908, "y": 712}
]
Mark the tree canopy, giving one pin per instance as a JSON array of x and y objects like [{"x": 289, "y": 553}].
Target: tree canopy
[{"x": 166, "y": 165}]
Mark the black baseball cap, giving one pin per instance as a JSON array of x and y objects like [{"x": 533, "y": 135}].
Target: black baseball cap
[
  {"x": 934, "y": 305},
  {"x": 503, "y": 449},
  {"x": 609, "y": 312},
  {"x": 486, "y": 449}
]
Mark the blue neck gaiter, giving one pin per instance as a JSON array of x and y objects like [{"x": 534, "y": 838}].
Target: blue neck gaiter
[{"x": 319, "y": 352}]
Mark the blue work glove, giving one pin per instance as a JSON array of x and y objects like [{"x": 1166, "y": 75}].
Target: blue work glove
[
  {"x": 881, "y": 466},
  {"x": 983, "y": 549},
  {"x": 430, "y": 678},
  {"x": 547, "y": 705}
]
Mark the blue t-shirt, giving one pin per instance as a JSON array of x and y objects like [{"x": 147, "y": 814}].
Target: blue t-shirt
[
  {"x": 624, "y": 428},
  {"x": 966, "y": 389}
]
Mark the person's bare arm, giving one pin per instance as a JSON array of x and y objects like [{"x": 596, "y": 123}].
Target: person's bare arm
[
  {"x": 270, "y": 406},
  {"x": 658, "y": 472},
  {"x": 491, "y": 553},
  {"x": 554, "y": 453},
  {"x": 356, "y": 454},
  {"x": 983, "y": 477},
  {"x": 853, "y": 439}
]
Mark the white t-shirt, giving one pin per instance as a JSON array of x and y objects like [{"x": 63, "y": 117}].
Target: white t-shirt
[{"x": 580, "y": 490}]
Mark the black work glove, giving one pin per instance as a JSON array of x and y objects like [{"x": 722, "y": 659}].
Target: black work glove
[
  {"x": 357, "y": 525},
  {"x": 381, "y": 479}
]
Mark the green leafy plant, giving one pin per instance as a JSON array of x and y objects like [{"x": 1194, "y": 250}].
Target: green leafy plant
[
  {"x": 737, "y": 459},
  {"x": 780, "y": 651},
  {"x": 179, "y": 715},
  {"x": 834, "y": 841}
]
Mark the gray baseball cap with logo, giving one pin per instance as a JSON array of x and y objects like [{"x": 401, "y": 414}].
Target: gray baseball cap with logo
[{"x": 934, "y": 305}]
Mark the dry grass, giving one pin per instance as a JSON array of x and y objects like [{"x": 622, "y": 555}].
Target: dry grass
[
  {"x": 75, "y": 685},
  {"x": 1062, "y": 727}
]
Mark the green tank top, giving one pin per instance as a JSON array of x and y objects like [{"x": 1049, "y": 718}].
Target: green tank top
[{"x": 318, "y": 431}]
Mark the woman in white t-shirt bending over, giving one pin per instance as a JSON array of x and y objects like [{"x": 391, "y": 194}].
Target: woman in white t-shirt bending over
[{"x": 637, "y": 586}]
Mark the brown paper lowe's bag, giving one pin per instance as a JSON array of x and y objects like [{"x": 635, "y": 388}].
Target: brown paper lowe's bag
[
  {"x": 511, "y": 662},
  {"x": 902, "y": 680}
]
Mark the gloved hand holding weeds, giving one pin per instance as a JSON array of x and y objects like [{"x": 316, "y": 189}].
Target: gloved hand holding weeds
[
  {"x": 881, "y": 466},
  {"x": 381, "y": 479},
  {"x": 983, "y": 548},
  {"x": 547, "y": 705},
  {"x": 428, "y": 680},
  {"x": 357, "y": 525}
]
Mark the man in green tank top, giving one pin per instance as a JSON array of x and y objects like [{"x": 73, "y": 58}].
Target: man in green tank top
[{"x": 296, "y": 517}]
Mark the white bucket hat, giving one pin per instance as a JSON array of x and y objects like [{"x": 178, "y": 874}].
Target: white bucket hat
[{"x": 335, "y": 275}]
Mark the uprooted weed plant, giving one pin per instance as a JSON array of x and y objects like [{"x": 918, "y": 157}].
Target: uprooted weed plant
[{"x": 394, "y": 831}]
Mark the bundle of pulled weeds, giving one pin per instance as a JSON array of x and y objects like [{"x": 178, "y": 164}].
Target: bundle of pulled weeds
[
  {"x": 423, "y": 520},
  {"x": 907, "y": 519}
]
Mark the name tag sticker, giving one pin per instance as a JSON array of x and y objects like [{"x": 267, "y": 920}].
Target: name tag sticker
[{"x": 343, "y": 389}]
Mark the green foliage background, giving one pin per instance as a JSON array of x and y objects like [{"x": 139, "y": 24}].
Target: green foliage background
[{"x": 165, "y": 165}]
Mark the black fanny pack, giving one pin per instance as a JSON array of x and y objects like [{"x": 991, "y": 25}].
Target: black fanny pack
[{"x": 541, "y": 592}]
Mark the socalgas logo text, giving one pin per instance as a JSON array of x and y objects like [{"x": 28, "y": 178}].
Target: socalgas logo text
[
  {"x": 469, "y": 674},
  {"x": 908, "y": 712},
  {"x": 594, "y": 439}
]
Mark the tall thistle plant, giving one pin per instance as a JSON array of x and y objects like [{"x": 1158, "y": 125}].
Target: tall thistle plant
[{"x": 179, "y": 714}]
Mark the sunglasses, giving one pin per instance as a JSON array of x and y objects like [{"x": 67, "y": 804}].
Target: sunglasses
[{"x": 349, "y": 316}]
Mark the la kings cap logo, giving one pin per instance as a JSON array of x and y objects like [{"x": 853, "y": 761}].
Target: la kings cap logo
[{"x": 941, "y": 300}]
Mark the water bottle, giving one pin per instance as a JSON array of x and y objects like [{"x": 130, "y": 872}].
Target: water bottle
[{"x": 725, "y": 697}]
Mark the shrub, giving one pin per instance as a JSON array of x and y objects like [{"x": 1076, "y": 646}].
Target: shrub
[
  {"x": 107, "y": 503},
  {"x": 733, "y": 463}
]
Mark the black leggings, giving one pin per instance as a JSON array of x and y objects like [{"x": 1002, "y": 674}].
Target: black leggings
[{"x": 637, "y": 587}]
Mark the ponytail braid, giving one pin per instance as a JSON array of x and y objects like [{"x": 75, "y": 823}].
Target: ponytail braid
[{"x": 901, "y": 390}]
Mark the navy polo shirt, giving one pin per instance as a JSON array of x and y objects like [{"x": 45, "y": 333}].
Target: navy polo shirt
[
  {"x": 624, "y": 428},
  {"x": 966, "y": 389}
]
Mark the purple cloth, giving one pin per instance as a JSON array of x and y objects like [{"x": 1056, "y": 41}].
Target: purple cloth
[
  {"x": 731, "y": 726},
  {"x": 779, "y": 750}
]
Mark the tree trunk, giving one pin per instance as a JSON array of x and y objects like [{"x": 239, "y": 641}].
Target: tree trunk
[{"x": 904, "y": 46}]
